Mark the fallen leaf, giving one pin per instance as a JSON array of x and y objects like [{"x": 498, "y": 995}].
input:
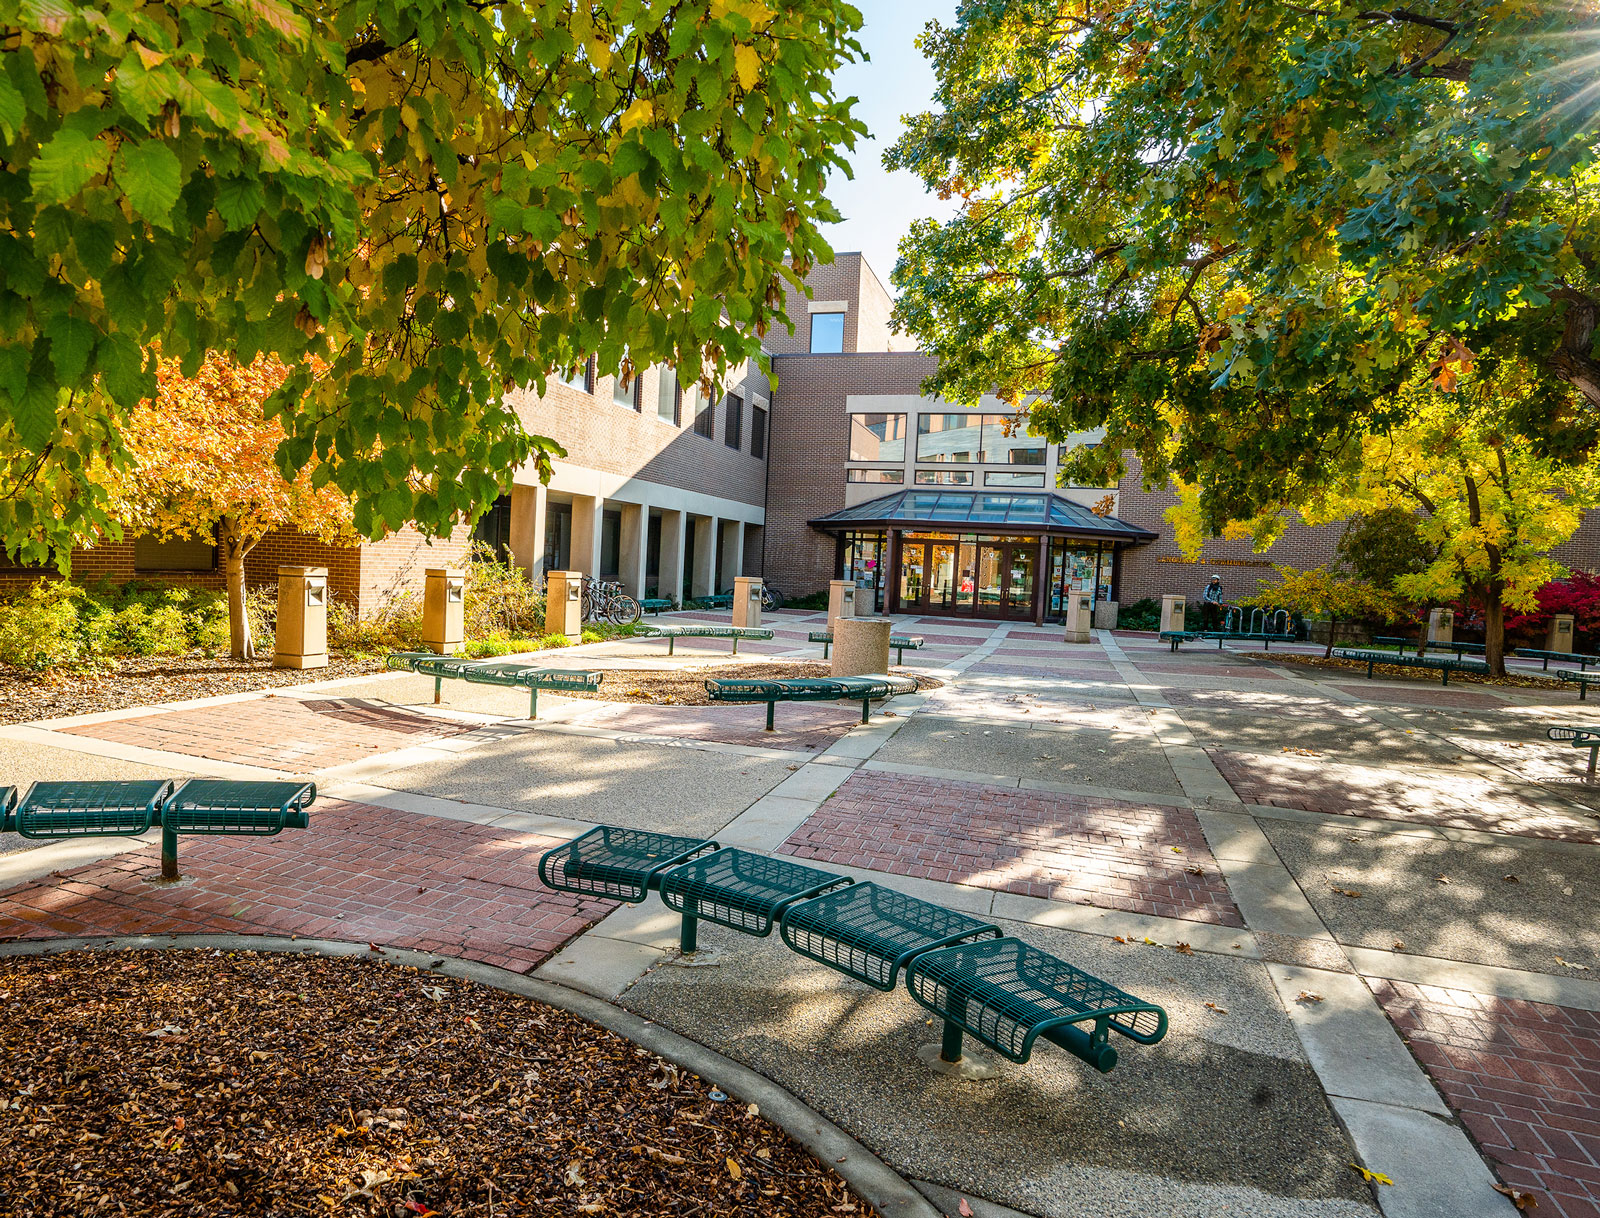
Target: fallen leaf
[
  {"x": 1522, "y": 1200},
  {"x": 1194, "y": 871},
  {"x": 1375, "y": 1177},
  {"x": 964, "y": 1209},
  {"x": 1399, "y": 945},
  {"x": 1582, "y": 968},
  {"x": 1151, "y": 941},
  {"x": 1307, "y": 996},
  {"x": 1511, "y": 879},
  {"x": 1348, "y": 892},
  {"x": 1177, "y": 850},
  {"x": 735, "y": 1170},
  {"x": 373, "y": 947},
  {"x": 575, "y": 1172},
  {"x": 1219, "y": 1010},
  {"x": 1441, "y": 879},
  {"x": 1183, "y": 949},
  {"x": 1119, "y": 939},
  {"x": 763, "y": 1153}
]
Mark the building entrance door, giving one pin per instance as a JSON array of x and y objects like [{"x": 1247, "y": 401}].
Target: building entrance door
[{"x": 978, "y": 578}]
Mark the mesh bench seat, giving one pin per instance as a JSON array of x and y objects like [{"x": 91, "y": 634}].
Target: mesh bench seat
[
  {"x": 1006, "y": 994},
  {"x": 869, "y": 932},
  {"x": 656, "y": 604},
  {"x": 617, "y": 863},
  {"x": 868, "y": 689},
  {"x": 509, "y": 673},
  {"x": 1581, "y": 738},
  {"x": 1265, "y": 637},
  {"x": 1444, "y": 667},
  {"x": 902, "y": 643},
  {"x": 223, "y": 806},
  {"x": 1565, "y": 657},
  {"x": 1580, "y": 679},
  {"x": 673, "y": 633},
  {"x": 91, "y": 809},
  {"x": 738, "y": 889},
  {"x": 1175, "y": 637}
]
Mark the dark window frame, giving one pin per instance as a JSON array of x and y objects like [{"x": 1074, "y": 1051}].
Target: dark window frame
[
  {"x": 705, "y": 419},
  {"x": 733, "y": 421},
  {"x": 758, "y": 432}
]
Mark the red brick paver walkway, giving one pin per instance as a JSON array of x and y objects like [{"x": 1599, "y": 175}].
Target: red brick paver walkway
[
  {"x": 300, "y": 735},
  {"x": 796, "y": 726},
  {"x": 1524, "y": 1078},
  {"x": 1460, "y": 801},
  {"x": 1106, "y": 853},
  {"x": 360, "y": 873}
]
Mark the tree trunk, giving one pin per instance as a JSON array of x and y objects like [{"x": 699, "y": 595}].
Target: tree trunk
[
  {"x": 234, "y": 547},
  {"x": 1494, "y": 633}
]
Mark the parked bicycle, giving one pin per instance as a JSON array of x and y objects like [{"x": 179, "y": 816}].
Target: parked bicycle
[{"x": 604, "y": 600}]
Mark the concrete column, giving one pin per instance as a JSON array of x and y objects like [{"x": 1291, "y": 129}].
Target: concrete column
[
  {"x": 1172, "y": 612},
  {"x": 747, "y": 601},
  {"x": 732, "y": 543},
  {"x": 705, "y": 557},
  {"x": 669, "y": 579},
  {"x": 1441, "y": 626},
  {"x": 588, "y": 511},
  {"x": 633, "y": 548},
  {"x": 860, "y": 645},
  {"x": 529, "y": 505}
]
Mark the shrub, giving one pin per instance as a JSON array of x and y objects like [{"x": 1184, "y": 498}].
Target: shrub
[
  {"x": 1140, "y": 615},
  {"x": 554, "y": 640},
  {"x": 499, "y": 598},
  {"x": 812, "y": 600},
  {"x": 591, "y": 636},
  {"x": 39, "y": 629}
]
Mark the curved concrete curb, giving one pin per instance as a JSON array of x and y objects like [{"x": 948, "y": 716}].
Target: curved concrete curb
[{"x": 874, "y": 1181}]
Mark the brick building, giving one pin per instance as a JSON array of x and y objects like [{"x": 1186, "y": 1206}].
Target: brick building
[{"x": 837, "y": 466}]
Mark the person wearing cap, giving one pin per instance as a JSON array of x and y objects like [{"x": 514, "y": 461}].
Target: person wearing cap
[{"x": 1211, "y": 604}]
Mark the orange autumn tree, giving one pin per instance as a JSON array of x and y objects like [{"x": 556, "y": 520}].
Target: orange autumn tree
[{"x": 204, "y": 464}]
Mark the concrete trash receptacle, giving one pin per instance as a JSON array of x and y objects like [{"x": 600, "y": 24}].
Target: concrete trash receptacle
[
  {"x": 444, "y": 609},
  {"x": 1559, "y": 636},
  {"x": 1080, "y": 613},
  {"x": 747, "y": 601},
  {"x": 1441, "y": 626},
  {"x": 841, "y": 600},
  {"x": 302, "y": 633},
  {"x": 563, "y": 603},
  {"x": 860, "y": 646},
  {"x": 1172, "y": 605}
]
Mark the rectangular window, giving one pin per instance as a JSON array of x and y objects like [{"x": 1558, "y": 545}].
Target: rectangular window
[
  {"x": 177, "y": 554},
  {"x": 875, "y": 475},
  {"x": 580, "y": 377},
  {"x": 827, "y": 333},
  {"x": 944, "y": 477},
  {"x": 625, "y": 396},
  {"x": 758, "y": 433},
  {"x": 733, "y": 429},
  {"x": 998, "y": 478},
  {"x": 950, "y": 437},
  {"x": 668, "y": 401},
  {"x": 704, "y": 424},
  {"x": 877, "y": 437},
  {"x": 1022, "y": 447}
]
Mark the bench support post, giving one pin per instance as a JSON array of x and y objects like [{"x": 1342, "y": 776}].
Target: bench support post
[
  {"x": 735, "y": 644},
  {"x": 169, "y": 853},
  {"x": 533, "y": 701},
  {"x": 689, "y": 936},
  {"x": 866, "y": 710},
  {"x": 437, "y": 683},
  {"x": 826, "y": 647},
  {"x": 771, "y": 706},
  {"x": 1594, "y": 752},
  {"x": 950, "y": 1050}
]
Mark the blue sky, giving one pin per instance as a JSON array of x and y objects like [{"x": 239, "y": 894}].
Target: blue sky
[{"x": 878, "y": 205}]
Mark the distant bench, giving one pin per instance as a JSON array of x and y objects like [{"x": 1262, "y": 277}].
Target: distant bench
[
  {"x": 507, "y": 673},
  {"x": 902, "y": 643},
  {"x": 673, "y": 633},
  {"x": 1001, "y": 991},
  {"x": 1460, "y": 649},
  {"x": 1580, "y": 679},
  {"x": 1564, "y": 657},
  {"x": 1401, "y": 659},
  {"x": 656, "y": 604},
  {"x": 811, "y": 689},
  {"x": 1265, "y": 638}
]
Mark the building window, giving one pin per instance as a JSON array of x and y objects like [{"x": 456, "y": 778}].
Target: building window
[
  {"x": 758, "y": 433},
  {"x": 579, "y": 377},
  {"x": 827, "y": 333},
  {"x": 877, "y": 437},
  {"x": 704, "y": 424},
  {"x": 733, "y": 429},
  {"x": 1022, "y": 447},
  {"x": 494, "y": 528},
  {"x": 875, "y": 475},
  {"x": 174, "y": 554},
  {"x": 950, "y": 437},
  {"x": 628, "y": 396},
  {"x": 668, "y": 400},
  {"x": 944, "y": 477},
  {"x": 997, "y": 478}
]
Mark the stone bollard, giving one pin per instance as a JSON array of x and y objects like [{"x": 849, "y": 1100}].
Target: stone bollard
[
  {"x": 747, "y": 601},
  {"x": 841, "y": 600},
  {"x": 1559, "y": 636},
  {"x": 1105, "y": 615},
  {"x": 1080, "y": 609},
  {"x": 563, "y": 603},
  {"x": 302, "y": 634},
  {"x": 1441, "y": 626},
  {"x": 1172, "y": 612},
  {"x": 860, "y": 645},
  {"x": 444, "y": 609}
]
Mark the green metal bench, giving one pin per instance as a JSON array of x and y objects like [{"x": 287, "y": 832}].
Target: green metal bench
[
  {"x": 1006, "y": 994},
  {"x": 902, "y": 643},
  {"x": 205, "y": 806},
  {"x": 1580, "y": 679},
  {"x": 810, "y": 689},
  {"x": 8, "y": 807},
  {"x": 617, "y": 863},
  {"x": 869, "y": 932},
  {"x": 1565, "y": 657},
  {"x": 673, "y": 633},
  {"x": 1178, "y": 636},
  {"x": 1578, "y": 737},
  {"x": 656, "y": 604},
  {"x": 738, "y": 889},
  {"x": 714, "y": 600},
  {"x": 1437, "y": 664},
  {"x": 1384, "y": 640},
  {"x": 506, "y": 673}
]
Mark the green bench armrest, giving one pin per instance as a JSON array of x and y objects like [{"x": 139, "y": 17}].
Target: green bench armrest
[{"x": 8, "y": 809}]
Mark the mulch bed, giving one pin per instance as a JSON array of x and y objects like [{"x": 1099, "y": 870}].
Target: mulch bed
[
  {"x": 201, "y": 1083},
  {"x": 142, "y": 681},
  {"x": 687, "y": 687},
  {"x": 1400, "y": 671}
]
